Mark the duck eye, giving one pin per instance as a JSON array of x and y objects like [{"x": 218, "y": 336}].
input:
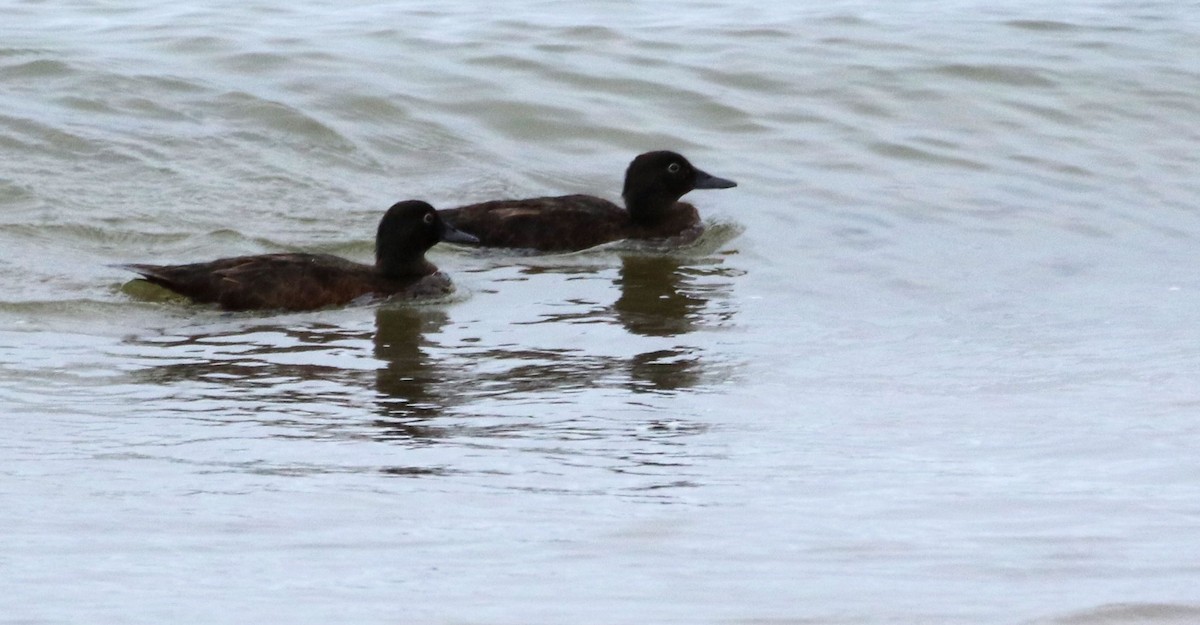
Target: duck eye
[
  {"x": 673, "y": 168},
  {"x": 429, "y": 218}
]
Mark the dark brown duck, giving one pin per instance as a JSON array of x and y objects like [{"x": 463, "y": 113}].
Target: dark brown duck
[
  {"x": 310, "y": 281},
  {"x": 654, "y": 183}
]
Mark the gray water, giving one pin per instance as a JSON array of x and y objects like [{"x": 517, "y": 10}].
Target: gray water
[{"x": 937, "y": 359}]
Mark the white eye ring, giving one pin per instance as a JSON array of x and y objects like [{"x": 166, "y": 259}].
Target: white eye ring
[
  {"x": 673, "y": 168},
  {"x": 429, "y": 218}
]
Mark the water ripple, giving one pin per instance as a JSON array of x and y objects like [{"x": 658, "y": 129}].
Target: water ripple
[
  {"x": 951, "y": 301},
  {"x": 1011, "y": 75}
]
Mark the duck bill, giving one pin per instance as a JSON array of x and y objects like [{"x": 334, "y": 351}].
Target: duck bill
[
  {"x": 454, "y": 235},
  {"x": 705, "y": 180}
]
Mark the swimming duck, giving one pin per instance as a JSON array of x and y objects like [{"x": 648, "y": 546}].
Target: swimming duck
[
  {"x": 654, "y": 183},
  {"x": 309, "y": 281}
]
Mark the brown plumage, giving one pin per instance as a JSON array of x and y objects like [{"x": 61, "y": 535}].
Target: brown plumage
[
  {"x": 654, "y": 183},
  {"x": 309, "y": 281}
]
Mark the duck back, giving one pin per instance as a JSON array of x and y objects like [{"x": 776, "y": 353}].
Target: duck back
[
  {"x": 275, "y": 281},
  {"x": 568, "y": 222}
]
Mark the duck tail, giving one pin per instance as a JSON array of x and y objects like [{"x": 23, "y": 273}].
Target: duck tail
[{"x": 151, "y": 273}]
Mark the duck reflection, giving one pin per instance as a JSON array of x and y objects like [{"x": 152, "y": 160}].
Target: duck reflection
[
  {"x": 661, "y": 296},
  {"x": 265, "y": 362},
  {"x": 408, "y": 380},
  {"x": 665, "y": 370},
  {"x": 411, "y": 383},
  {"x": 666, "y": 296},
  {"x": 420, "y": 382},
  {"x": 652, "y": 301},
  {"x": 302, "y": 382}
]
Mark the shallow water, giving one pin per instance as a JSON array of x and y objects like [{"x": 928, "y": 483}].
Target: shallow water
[{"x": 934, "y": 362}]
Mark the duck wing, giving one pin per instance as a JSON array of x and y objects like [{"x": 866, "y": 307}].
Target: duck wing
[
  {"x": 563, "y": 223},
  {"x": 269, "y": 281}
]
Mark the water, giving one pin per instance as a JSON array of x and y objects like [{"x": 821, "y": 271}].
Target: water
[{"x": 935, "y": 361}]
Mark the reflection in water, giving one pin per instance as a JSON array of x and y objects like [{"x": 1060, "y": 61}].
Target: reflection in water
[
  {"x": 652, "y": 302},
  {"x": 415, "y": 385},
  {"x": 302, "y": 364},
  {"x": 665, "y": 370},
  {"x": 662, "y": 297},
  {"x": 491, "y": 386},
  {"x": 532, "y": 385},
  {"x": 408, "y": 381},
  {"x": 659, "y": 297},
  {"x": 461, "y": 403}
]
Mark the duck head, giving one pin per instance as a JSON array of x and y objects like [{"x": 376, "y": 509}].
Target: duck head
[
  {"x": 655, "y": 181},
  {"x": 406, "y": 232}
]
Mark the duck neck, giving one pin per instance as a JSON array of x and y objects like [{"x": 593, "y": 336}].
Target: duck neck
[
  {"x": 395, "y": 265},
  {"x": 649, "y": 209}
]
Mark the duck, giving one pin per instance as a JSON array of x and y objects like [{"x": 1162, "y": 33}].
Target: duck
[
  {"x": 654, "y": 182},
  {"x": 299, "y": 281}
]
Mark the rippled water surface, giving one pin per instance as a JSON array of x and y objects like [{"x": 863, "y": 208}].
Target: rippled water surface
[{"x": 937, "y": 359}]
